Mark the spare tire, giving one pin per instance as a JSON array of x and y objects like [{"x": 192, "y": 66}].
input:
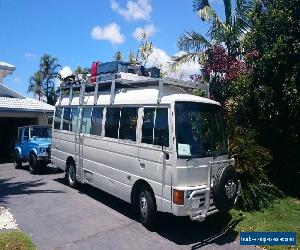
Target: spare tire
[{"x": 225, "y": 188}]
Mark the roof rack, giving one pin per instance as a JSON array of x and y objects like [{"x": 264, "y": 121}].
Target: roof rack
[{"x": 121, "y": 80}]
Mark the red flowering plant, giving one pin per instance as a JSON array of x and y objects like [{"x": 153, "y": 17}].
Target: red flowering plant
[{"x": 221, "y": 70}]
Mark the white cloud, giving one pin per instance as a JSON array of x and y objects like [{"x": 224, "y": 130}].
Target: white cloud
[
  {"x": 65, "y": 71},
  {"x": 17, "y": 80},
  {"x": 111, "y": 32},
  {"x": 139, "y": 10},
  {"x": 30, "y": 57},
  {"x": 161, "y": 59},
  {"x": 149, "y": 30}
]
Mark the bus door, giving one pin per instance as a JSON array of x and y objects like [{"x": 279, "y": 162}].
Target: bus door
[{"x": 153, "y": 161}]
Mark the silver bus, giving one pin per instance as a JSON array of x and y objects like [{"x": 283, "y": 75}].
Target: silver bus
[{"x": 146, "y": 141}]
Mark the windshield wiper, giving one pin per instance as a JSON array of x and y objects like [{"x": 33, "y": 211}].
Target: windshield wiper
[{"x": 194, "y": 156}]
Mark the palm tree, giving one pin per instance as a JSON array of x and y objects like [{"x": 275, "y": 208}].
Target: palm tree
[
  {"x": 36, "y": 85},
  {"x": 49, "y": 68},
  {"x": 229, "y": 32}
]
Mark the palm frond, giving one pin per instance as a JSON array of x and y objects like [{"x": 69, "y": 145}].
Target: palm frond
[
  {"x": 192, "y": 41},
  {"x": 188, "y": 57},
  {"x": 228, "y": 13},
  {"x": 199, "y": 4}
]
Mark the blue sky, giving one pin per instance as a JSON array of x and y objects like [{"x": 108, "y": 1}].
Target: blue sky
[{"x": 79, "y": 32}]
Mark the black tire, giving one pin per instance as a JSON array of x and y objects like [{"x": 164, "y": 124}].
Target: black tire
[
  {"x": 225, "y": 188},
  {"x": 34, "y": 164},
  {"x": 146, "y": 207},
  {"x": 70, "y": 176},
  {"x": 17, "y": 159}
]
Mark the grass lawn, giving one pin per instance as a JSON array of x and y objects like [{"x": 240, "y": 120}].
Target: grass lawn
[
  {"x": 283, "y": 216},
  {"x": 15, "y": 240}
]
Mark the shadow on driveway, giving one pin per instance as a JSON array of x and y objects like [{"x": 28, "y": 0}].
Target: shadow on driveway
[
  {"x": 218, "y": 228},
  {"x": 9, "y": 187},
  {"x": 45, "y": 170}
]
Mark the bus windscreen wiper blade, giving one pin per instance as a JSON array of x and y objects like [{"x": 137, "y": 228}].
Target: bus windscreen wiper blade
[{"x": 193, "y": 156}]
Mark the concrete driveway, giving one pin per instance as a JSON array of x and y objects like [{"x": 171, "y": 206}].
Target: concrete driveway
[{"x": 58, "y": 217}]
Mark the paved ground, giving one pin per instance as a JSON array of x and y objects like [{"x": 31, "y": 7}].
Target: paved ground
[{"x": 58, "y": 217}]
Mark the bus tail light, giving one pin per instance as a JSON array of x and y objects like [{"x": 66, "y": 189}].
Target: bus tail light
[{"x": 178, "y": 197}]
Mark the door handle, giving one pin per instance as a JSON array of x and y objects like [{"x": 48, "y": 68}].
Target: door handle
[{"x": 142, "y": 165}]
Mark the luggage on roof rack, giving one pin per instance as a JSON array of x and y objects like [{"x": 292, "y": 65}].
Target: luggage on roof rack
[{"x": 117, "y": 67}]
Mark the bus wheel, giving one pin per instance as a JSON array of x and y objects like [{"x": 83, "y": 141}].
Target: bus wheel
[
  {"x": 147, "y": 207},
  {"x": 71, "y": 175},
  {"x": 17, "y": 159},
  {"x": 33, "y": 164}
]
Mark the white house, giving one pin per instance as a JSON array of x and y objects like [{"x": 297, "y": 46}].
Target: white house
[{"x": 17, "y": 110}]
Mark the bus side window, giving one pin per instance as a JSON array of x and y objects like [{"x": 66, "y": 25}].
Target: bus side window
[
  {"x": 66, "y": 119},
  {"x": 112, "y": 122},
  {"x": 97, "y": 116},
  {"x": 148, "y": 125},
  {"x": 128, "y": 123},
  {"x": 161, "y": 123},
  {"x": 57, "y": 118},
  {"x": 74, "y": 119},
  {"x": 86, "y": 120}
]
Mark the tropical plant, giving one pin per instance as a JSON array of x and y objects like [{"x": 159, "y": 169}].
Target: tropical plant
[
  {"x": 36, "y": 85},
  {"x": 252, "y": 160},
  {"x": 230, "y": 32}
]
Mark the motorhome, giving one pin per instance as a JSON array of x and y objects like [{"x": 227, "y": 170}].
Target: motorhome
[{"x": 147, "y": 141}]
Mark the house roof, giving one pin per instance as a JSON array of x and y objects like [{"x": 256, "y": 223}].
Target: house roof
[
  {"x": 5, "y": 69},
  {"x": 14, "y": 102}
]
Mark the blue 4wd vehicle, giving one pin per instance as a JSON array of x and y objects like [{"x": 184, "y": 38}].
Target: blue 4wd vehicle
[{"x": 33, "y": 145}]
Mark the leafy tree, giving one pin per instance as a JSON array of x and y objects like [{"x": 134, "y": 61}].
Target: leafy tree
[
  {"x": 79, "y": 70},
  {"x": 145, "y": 49},
  {"x": 49, "y": 68},
  {"x": 36, "y": 85},
  {"x": 118, "y": 56},
  {"x": 275, "y": 85}
]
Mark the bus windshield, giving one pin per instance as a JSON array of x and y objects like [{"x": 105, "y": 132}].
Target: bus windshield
[{"x": 199, "y": 130}]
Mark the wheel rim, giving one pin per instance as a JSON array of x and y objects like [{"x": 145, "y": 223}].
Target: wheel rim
[
  {"x": 71, "y": 174},
  {"x": 230, "y": 189},
  {"x": 143, "y": 205}
]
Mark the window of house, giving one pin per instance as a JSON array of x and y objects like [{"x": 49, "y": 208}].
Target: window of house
[
  {"x": 57, "y": 118},
  {"x": 66, "y": 119},
  {"x": 112, "y": 122},
  {"x": 86, "y": 120},
  {"x": 128, "y": 122},
  {"x": 97, "y": 116}
]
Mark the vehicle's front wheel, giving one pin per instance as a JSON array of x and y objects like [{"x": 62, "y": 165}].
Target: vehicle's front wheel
[
  {"x": 147, "y": 207},
  {"x": 71, "y": 175},
  {"x": 34, "y": 164},
  {"x": 17, "y": 159}
]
